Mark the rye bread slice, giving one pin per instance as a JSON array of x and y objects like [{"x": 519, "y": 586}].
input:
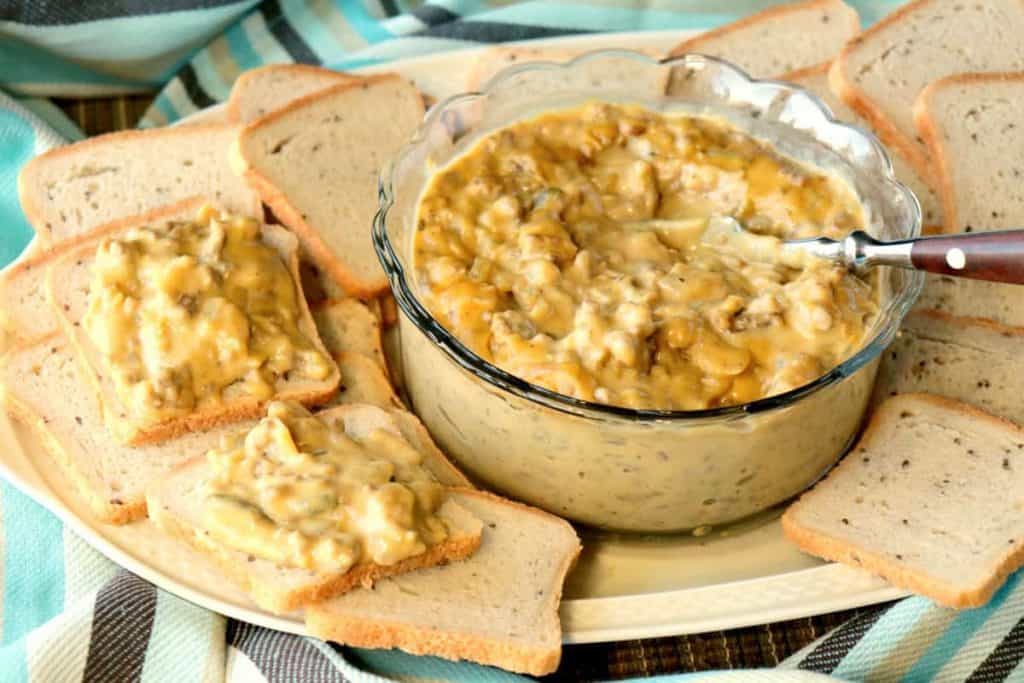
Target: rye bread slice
[
  {"x": 931, "y": 499},
  {"x": 971, "y": 124},
  {"x": 349, "y": 326},
  {"x": 316, "y": 163},
  {"x": 257, "y": 92},
  {"x": 777, "y": 40},
  {"x": 68, "y": 282},
  {"x": 966, "y": 359},
  {"x": 26, "y": 312},
  {"x": 499, "y": 607},
  {"x": 45, "y": 391},
  {"x": 815, "y": 79},
  {"x": 882, "y": 71},
  {"x": 72, "y": 190},
  {"x": 176, "y": 504}
]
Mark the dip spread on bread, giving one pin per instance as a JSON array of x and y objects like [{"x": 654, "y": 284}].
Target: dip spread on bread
[
  {"x": 181, "y": 313},
  {"x": 566, "y": 249},
  {"x": 297, "y": 490}
]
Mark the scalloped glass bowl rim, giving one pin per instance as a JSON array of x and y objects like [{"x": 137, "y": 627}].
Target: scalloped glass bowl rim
[{"x": 889, "y": 318}]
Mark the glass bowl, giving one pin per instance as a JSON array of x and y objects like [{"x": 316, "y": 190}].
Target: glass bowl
[{"x": 611, "y": 467}]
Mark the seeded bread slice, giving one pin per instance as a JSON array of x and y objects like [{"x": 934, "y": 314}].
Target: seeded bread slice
[
  {"x": 348, "y": 325},
  {"x": 68, "y": 282},
  {"x": 971, "y": 123},
  {"x": 815, "y": 79},
  {"x": 72, "y": 190},
  {"x": 882, "y": 71},
  {"x": 499, "y": 607},
  {"x": 258, "y": 92},
  {"x": 967, "y": 359},
  {"x": 930, "y": 498},
  {"x": 176, "y": 506},
  {"x": 26, "y": 311},
  {"x": 44, "y": 389},
  {"x": 316, "y": 163},
  {"x": 777, "y": 40}
]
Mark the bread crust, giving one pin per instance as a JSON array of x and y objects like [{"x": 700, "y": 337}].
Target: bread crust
[
  {"x": 932, "y": 134},
  {"x": 269, "y": 596},
  {"x": 26, "y": 176},
  {"x": 291, "y": 216},
  {"x": 236, "y": 410},
  {"x": 452, "y": 645},
  {"x": 823, "y": 545},
  {"x": 242, "y": 82},
  {"x": 770, "y": 14}
]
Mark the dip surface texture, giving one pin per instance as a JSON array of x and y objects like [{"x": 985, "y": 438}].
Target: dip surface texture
[
  {"x": 299, "y": 491},
  {"x": 567, "y": 249},
  {"x": 182, "y": 312}
]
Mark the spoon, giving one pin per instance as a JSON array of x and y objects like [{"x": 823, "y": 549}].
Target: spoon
[{"x": 997, "y": 256}]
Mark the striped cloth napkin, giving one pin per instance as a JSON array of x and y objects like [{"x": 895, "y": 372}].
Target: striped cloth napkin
[{"x": 67, "y": 613}]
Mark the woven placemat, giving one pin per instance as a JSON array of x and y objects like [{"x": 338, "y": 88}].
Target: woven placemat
[{"x": 753, "y": 647}]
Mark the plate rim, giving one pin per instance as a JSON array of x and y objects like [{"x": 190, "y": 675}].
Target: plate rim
[{"x": 580, "y": 618}]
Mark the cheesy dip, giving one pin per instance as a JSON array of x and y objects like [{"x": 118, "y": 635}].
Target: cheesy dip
[
  {"x": 567, "y": 250},
  {"x": 180, "y": 313},
  {"x": 301, "y": 492}
]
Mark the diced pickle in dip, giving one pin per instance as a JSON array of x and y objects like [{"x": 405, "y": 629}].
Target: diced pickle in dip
[
  {"x": 181, "y": 312},
  {"x": 567, "y": 249},
  {"x": 301, "y": 492}
]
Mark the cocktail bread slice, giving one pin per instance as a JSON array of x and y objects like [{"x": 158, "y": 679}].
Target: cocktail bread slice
[
  {"x": 26, "y": 311},
  {"x": 882, "y": 71},
  {"x": 348, "y": 325},
  {"x": 316, "y": 163},
  {"x": 499, "y": 607},
  {"x": 972, "y": 126},
  {"x": 258, "y": 92},
  {"x": 815, "y": 79},
  {"x": 494, "y": 59},
  {"x": 362, "y": 381},
  {"x": 416, "y": 434},
  {"x": 44, "y": 389},
  {"x": 930, "y": 498},
  {"x": 777, "y": 40},
  {"x": 68, "y": 282},
  {"x": 72, "y": 190},
  {"x": 967, "y": 359},
  {"x": 176, "y": 506}
]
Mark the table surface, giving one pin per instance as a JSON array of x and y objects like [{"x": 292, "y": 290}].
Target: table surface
[{"x": 753, "y": 647}]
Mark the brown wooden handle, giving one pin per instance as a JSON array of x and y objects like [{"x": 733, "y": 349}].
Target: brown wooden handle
[{"x": 996, "y": 256}]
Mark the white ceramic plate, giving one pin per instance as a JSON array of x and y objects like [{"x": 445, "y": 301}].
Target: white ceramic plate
[{"x": 623, "y": 588}]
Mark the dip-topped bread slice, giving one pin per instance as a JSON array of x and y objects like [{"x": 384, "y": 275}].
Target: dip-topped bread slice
[
  {"x": 343, "y": 517},
  {"x": 499, "y": 607},
  {"x": 316, "y": 163},
  {"x": 777, "y": 40},
  {"x": 186, "y": 325},
  {"x": 882, "y": 71},
  {"x": 815, "y": 79},
  {"x": 263, "y": 90},
  {"x": 70, "y": 191},
  {"x": 971, "y": 124},
  {"x": 930, "y": 498},
  {"x": 25, "y": 310}
]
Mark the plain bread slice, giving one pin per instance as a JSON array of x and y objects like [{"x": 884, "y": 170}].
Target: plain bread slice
[
  {"x": 176, "y": 506},
  {"x": 316, "y": 163},
  {"x": 45, "y": 391},
  {"x": 68, "y": 283},
  {"x": 930, "y": 498},
  {"x": 882, "y": 71},
  {"x": 776, "y": 40},
  {"x": 495, "y": 59},
  {"x": 499, "y": 607},
  {"x": 815, "y": 79},
  {"x": 259, "y": 91},
  {"x": 72, "y": 190},
  {"x": 348, "y": 325}
]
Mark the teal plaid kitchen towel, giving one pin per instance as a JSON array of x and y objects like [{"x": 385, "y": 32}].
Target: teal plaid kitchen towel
[{"x": 69, "y": 614}]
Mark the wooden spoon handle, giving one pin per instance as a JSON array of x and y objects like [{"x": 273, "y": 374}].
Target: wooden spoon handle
[{"x": 996, "y": 256}]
